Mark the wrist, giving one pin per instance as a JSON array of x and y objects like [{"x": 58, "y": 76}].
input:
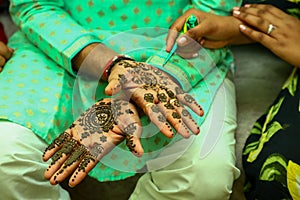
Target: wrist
[
  {"x": 238, "y": 37},
  {"x": 112, "y": 62},
  {"x": 92, "y": 59},
  {"x": 81, "y": 55}
]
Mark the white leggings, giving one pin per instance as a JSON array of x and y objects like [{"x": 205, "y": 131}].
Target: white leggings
[{"x": 205, "y": 171}]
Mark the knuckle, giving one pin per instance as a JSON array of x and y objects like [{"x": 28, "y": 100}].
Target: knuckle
[
  {"x": 260, "y": 21},
  {"x": 268, "y": 7},
  {"x": 260, "y": 37},
  {"x": 244, "y": 15},
  {"x": 261, "y": 12}
]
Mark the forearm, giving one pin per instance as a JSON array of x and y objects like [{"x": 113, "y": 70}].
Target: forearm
[
  {"x": 51, "y": 29},
  {"x": 92, "y": 59}
]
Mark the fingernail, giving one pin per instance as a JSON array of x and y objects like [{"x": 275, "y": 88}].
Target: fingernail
[
  {"x": 247, "y": 5},
  {"x": 195, "y": 55},
  {"x": 242, "y": 27},
  {"x": 11, "y": 50},
  {"x": 236, "y": 12},
  {"x": 202, "y": 42},
  {"x": 182, "y": 40},
  {"x": 235, "y": 8}
]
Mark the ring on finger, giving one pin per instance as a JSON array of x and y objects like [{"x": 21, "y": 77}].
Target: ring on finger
[
  {"x": 271, "y": 28},
  {"x": 149, "y": 104},
  {"x": 172, "y": 101}
]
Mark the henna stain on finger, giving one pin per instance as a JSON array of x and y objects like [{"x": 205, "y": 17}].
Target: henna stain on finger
[
  {"x": 61, "y": 139},
  {"x": 88, "y": 158},
  {"x": 77, "y": 154},
  {"x": 65, "y": 150},
  {"x": 161, "y": 118},
  {"x": 179, "y": 90},
  {"x": 169, "y": 106},
  {"x": 188, "y": 98},
  {"x": 185, "y": 113},
  {"x": 162, "y": 97},
  {"x": 129, "y": 130},
  {"x": 175, "y": 102},
  {"x": 94, "y": 152},
  {"x": 176, "y": 115},
  {"x": 130, "y": 144},
  {"x": 148, "y": 97},
  {"x": 171, "y": 94}
]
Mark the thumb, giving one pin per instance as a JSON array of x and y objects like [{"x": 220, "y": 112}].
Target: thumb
[
  {"x": 213, "y": 44},
  {"x": 195, "y": 34}
]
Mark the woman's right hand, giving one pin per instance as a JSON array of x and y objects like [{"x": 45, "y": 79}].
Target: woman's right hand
[
  {"x": 157, "y": 94},
  {"x": 5, "y": 54},
  {"x": 91, "y": 136},
  {"x": 212, "y": 31}
]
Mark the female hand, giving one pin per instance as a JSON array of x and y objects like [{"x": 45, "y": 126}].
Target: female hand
[
  {"x": 273, "y": 28},
  {"x": 154, "y": 91},
  {"x": 98, "y": 130},
  {"x": 213, "y": 31},
  {"x": 5, "y": 54}
]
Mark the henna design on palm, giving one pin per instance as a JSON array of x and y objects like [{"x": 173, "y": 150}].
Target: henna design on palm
[{"x": 98, "y": 130}]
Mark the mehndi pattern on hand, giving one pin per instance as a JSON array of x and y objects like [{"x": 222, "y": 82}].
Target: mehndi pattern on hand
[
  {"x": 96, "y": 131},
  {"x": 159, "y": 95}
]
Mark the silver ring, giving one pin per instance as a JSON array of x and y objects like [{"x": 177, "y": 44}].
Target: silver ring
[{"x": 270, "y": 29}]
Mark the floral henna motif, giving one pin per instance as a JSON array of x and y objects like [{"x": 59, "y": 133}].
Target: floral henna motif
[
  {"x": 98, "y": 118},
  {"x": 90, "y": 137},
  {"x": 169, "y": 96},
  {"x": 149, "y": 98}
]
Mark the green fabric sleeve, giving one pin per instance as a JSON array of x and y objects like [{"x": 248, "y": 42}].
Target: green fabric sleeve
[
  {"x": 48, "y": 26},
  {"x": 217, "y": 7}
]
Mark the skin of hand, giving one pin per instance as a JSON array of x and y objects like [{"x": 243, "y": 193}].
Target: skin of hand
[
  {"x": 283, "y": 40},
  {"x": 212, "y": 31},
  {"x": 91, "y": 137},
  {"x": 98, "y": 130},
  {"x": 137, "y": 86},
  {"x": 5, "y": 54},
  {"x": 160, "y": 97}
]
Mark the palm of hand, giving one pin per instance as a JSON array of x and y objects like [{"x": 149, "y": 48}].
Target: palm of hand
[{"x": 90, "y": 137}]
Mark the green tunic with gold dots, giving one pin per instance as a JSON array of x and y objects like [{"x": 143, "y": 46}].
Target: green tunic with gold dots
[{"x": 41, "y": 92}]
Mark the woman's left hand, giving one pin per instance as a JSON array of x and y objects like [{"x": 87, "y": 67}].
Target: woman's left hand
[
  {"x": 93, "y": 135},
  {"x": 273, "y": 28}
]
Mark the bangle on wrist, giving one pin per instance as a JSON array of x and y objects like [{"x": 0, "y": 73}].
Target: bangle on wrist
[{"x": 111, "y": 63}]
